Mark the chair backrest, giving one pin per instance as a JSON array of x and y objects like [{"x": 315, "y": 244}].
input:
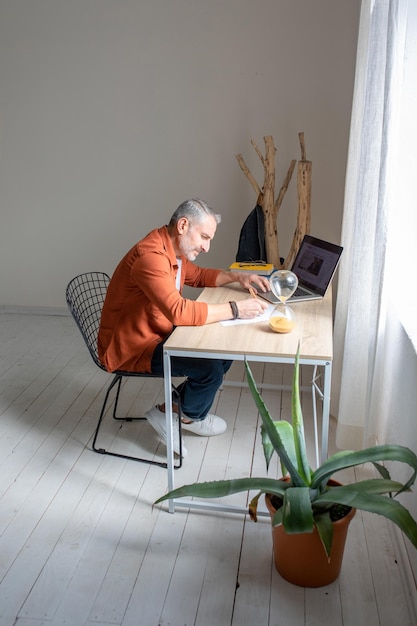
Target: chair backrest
[{"x": 85, "y": 298}]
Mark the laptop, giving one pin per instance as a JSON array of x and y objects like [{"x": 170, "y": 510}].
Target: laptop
[{"x": 315, "y": 265}]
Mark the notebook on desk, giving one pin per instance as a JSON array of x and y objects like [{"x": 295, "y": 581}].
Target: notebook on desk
[{"x": 315, "y": 265}]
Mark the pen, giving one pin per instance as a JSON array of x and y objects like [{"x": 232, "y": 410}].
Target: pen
[{"x": 253, "y": 292}]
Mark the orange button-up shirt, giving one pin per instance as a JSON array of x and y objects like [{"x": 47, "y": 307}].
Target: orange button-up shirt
[{"x": 143, "y": 304}]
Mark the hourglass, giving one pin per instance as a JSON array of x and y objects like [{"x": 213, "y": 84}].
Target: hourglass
[{"x": 283, "y": 284}]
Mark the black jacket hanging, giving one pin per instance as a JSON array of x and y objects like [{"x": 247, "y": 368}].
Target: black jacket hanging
[{"x": 252, "y": 237}]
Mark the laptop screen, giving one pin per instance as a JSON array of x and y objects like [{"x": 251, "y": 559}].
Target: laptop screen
[{"x": 315, "y": 263}]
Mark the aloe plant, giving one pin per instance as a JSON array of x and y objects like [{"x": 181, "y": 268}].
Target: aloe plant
[{"x": 307, "y": 498}]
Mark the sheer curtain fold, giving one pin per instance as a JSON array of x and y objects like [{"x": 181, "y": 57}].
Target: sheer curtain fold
[{"x": 362, "y": 292}]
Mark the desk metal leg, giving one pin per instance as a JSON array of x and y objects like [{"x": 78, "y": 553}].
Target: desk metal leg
[
  {"x": 168, "y": 414},
  {"x": 324, "y": 394},
  {"x": 314, "y": 391},
  {"x": 326, "y": 409}
]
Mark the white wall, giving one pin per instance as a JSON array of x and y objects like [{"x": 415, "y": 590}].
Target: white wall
[{"x": 113, "y": 112}]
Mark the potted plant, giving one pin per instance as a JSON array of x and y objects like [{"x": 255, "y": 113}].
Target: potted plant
[{"x": 305, "y": 504}]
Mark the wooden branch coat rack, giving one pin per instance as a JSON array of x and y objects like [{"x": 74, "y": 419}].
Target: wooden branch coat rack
[{"x": 271, "y": 206}]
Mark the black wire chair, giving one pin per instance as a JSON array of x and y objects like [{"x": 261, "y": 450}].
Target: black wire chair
[{"x": 85, "y": 296}]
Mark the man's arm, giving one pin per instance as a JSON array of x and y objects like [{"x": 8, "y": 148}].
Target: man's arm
[{"x": 247, "y": 308}]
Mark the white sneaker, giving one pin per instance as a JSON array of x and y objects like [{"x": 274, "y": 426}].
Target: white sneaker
[
  {"x": 209, "y": 426},
  {"x": 157, "y": 420}
]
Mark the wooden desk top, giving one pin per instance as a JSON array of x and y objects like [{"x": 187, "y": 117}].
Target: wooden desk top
[{"x": 314, "y": 330}]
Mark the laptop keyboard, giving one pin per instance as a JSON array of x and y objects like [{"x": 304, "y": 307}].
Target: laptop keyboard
[{"x": 300, "y": 292}]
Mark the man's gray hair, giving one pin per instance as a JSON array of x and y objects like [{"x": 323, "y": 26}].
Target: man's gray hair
[{"x": 194, "y": 210}]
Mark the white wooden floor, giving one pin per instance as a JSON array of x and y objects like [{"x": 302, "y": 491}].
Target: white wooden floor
[{"x": 81, "y": 544}]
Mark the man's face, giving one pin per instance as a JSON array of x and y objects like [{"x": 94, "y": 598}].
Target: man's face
[{"x": 195, "y": 237}]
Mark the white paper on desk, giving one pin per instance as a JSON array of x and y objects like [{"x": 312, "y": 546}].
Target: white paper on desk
[{"x": 260, "y": 318}]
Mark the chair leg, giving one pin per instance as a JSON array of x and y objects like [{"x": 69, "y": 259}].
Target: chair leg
[
  {"x": 117, "y": 380},
  {"x": 116, "y": 402}
]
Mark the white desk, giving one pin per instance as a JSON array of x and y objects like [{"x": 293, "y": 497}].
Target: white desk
[{"x": 254, "y": 342}]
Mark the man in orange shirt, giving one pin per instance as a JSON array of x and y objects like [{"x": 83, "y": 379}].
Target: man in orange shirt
[{"x": 144, "y": 303}]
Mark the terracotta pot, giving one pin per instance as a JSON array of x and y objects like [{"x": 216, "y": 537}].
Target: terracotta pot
[{"x": 301, "y": 558}]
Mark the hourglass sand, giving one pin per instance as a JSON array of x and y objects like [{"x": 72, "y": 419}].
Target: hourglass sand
[{"x": 283, "y": 285}]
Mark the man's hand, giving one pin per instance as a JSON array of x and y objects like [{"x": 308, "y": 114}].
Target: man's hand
[
  {"x": 260, "y": 283},
  {"x": 251, "y": 307}
]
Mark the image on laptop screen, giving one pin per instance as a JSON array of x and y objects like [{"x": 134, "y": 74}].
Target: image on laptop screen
[{"x": 316, "y": 263}]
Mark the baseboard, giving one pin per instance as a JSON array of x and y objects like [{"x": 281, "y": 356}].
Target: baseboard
[{"x": 34, "y": 310}]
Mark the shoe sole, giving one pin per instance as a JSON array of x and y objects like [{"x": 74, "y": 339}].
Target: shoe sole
[{"x": 202, "y": 434}]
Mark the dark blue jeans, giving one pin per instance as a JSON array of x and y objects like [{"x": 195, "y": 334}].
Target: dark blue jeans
[{"x": 204, "y": 377}]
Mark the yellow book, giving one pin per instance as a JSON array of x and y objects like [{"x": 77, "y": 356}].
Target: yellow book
[{"x": 252, "y": 268}]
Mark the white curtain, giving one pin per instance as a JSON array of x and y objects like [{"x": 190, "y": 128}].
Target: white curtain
[{"x": 364, "y": 285}]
